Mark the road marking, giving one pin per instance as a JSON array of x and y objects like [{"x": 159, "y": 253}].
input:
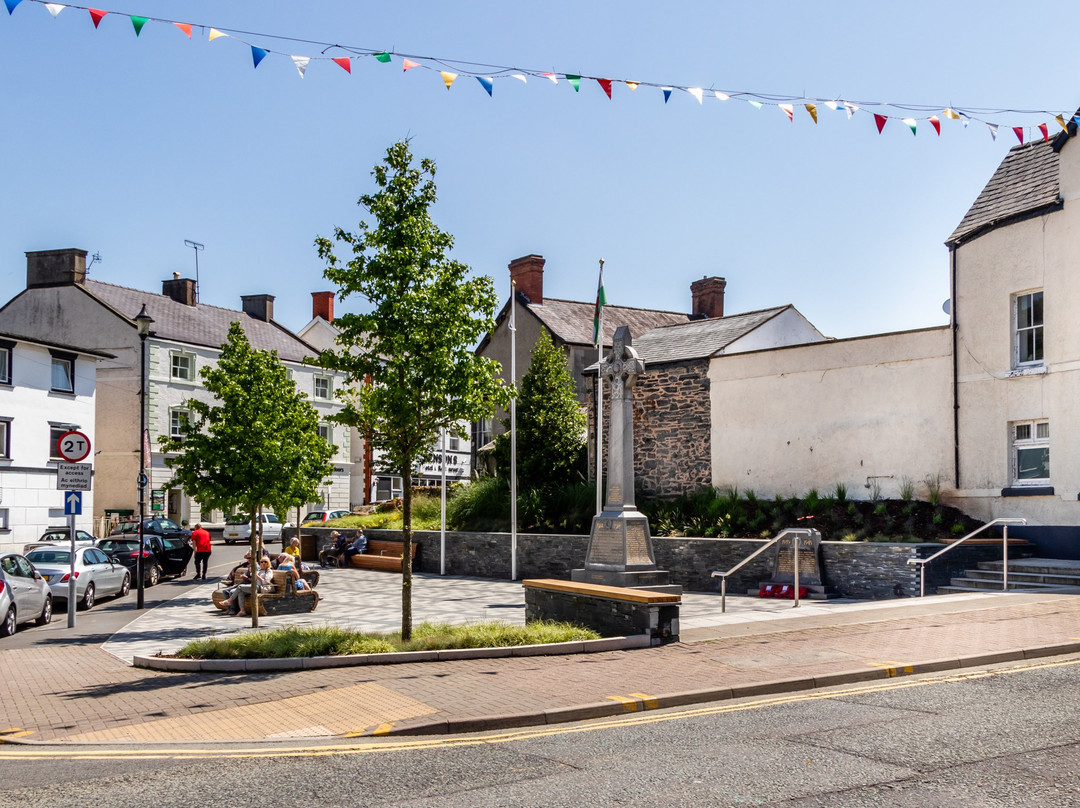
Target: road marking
[
  {"x": 629, "y": 705},
  {"x": 15, "y": 732},
  {"x": 400, "y": 744},
  {"x": 650, "y": 702},
  {"x": 383, "y": 729},
  {"x": 356, "y": 734},
  {"x": 893, "y": 668}
]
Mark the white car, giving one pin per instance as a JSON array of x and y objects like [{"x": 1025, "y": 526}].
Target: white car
[
  {"x": 95, "y": 573},
  {"x": 238, "y": 528}
]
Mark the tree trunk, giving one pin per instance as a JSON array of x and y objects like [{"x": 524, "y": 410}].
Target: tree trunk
[
  {"x": 253, "y": 567},
  {"x": 406, "y": 551}
]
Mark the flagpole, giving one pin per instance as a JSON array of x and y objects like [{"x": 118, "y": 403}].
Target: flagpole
[
  {"x": 600, "y": 396},
  {"x": 513, "y": 432}
]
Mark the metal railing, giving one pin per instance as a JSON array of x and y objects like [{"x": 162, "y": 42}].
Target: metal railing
[
  {"x": 791, "y": 531},
  {"x": 1005, "y": 522}
]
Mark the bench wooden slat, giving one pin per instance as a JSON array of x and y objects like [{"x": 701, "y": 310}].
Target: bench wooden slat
[{"x": 602, "y": 591}]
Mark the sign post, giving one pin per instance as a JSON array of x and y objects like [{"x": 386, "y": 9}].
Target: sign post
[{"x": 73, "y": 477}]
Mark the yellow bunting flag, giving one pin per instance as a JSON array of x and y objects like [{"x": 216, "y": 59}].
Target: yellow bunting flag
[
  {"x": 812, "y": 109},
  {"x": 215, "y": 33},
  {"x": 448, "y": 78},
  {"x": 951, "y": 113},
  {"x": 1061, "y": 123},
  {"x": 633, "y": 85}
]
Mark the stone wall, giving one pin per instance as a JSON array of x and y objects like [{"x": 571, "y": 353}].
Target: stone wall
[
  {"x": 864, "y": 570},
  {"x": 672, "y": 437}
]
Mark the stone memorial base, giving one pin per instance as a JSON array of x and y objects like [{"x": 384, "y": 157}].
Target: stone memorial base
[{"x": 620, "y": 554}]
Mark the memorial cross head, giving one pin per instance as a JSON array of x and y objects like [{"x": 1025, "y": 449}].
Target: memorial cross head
[{"x": 622, "y": 366}]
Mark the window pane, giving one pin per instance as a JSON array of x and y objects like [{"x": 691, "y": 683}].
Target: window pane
[
  {"x": 1023, "y": 311},
  {"x": 61, "y": 375},
  {"x": 1042, "y": 431},
  {"x": 1037, "y": 308},
  {"x": 5, "y": 366},
  {"x": 4, "y": 428},
  {"x": 1033, "y": 464},
  {"x": 1023, "y": 431}
]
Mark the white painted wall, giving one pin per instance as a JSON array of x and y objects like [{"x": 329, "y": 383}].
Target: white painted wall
[
  {"x": 28, "y": 479},
  {"x": 787, "y": 328}
]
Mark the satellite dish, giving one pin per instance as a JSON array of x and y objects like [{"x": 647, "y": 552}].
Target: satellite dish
[{"x": 947, "y": 305}]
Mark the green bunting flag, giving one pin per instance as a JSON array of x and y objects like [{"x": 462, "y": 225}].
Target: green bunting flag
[
  {"x": 601, "y": 301},
  {"x": 139, "y": 22}
]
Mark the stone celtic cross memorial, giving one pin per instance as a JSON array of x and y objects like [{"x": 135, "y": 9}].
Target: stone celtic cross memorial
[{"x": 620, "y": 549}]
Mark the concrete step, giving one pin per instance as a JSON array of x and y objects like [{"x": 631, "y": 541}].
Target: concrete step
[
  {"x": 1025, "y": 577},
  {"x": 1038, "y": 566},
  {"x": 982, "y": 584}
]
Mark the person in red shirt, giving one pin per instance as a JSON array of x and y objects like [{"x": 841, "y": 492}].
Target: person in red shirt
[{"x": 200, "y": 537}]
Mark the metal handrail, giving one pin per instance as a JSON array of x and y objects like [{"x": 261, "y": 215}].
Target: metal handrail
[
  {"x": 1004, "y": 521},
  {"x": 798, "y": 531}
]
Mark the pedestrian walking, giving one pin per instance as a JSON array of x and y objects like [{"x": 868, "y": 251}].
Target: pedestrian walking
[{"x": 200, "y": 537}]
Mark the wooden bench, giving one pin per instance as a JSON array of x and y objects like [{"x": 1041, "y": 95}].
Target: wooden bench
[
  {"x": 610, "y": 610},
  {"x": 281, "y": 597},
  {"x": 382, "y": 555}
]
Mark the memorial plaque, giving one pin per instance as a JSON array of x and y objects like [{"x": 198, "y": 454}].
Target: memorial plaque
[{"x": 806, "y": 543}]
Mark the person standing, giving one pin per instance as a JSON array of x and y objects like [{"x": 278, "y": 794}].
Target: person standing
[{"x": 200, "y": 537}]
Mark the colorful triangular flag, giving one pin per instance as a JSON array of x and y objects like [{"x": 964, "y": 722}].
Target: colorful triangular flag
[
  {"x": 11, "y": 5},
  {"x": 851, "y": 109},
  {"x": 667, "y": 93},
  {"x": 448, "y": 78},
  {"x": 951, "y": 113},
  {"x": 1019, "y": 132},
  {"x": 833, "y": 105},
  {"x": 633, "y": 85},
  {"x": 185, "y": 27},
  {"x": 754, "y": 104},
  {"x": 520, "y": 77},
  {"x": 935, "y": 122},
  {"x": 55, "y": 8},
  {"x": 408, "y": 64},
  {"x": 812, "y": 109},
  {"x": 301, "y": 63},
  {"x": 258, "y": 54},
  {"x": 788, "y": 110},
  {"x": 721, "y": 96},
  {"x": 993, "y": 130},
  {"x": 383, "y": 57},
  {"x": 138, "y": 23},
  {"x": 911, "y": 124},
  {"x": 1045, "y": 132},
  {"x": 1061, "y": 122},
  {"x": 552, "y": 76},
  {"x": 697, "y": 92},
  {"x": 880, "y": 120},
  {"x": 215, "y": 34},
  {"x": 575, "y": 81},
  {"x": 486, "y": 83},
  {"x": 96, "y": 14},
  {"x": 605, "y": 85},
  {"x": 343, "y": 62}
]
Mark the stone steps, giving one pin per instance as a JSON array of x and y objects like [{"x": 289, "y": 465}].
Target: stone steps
[{"x": 1024, "y": 574}]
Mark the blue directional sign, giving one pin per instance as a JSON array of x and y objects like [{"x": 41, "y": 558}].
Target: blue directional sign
[{"x": 73, "y": 503}]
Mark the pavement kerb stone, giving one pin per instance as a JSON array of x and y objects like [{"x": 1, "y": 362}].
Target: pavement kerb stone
[
  {"x": 174, "y": 664},
  {"x": 849, "y": 677},
  {"x": 582, "y": 712},
  {"x": 773, "y": 687},
  {"x": 459, "y": 726},
  {"x": 930, "y": 666},
  {"x": 687, "y": 697},
  {"x": 1052, "y": 650}
]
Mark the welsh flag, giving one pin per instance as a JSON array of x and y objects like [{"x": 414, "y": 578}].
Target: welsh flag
[{"x": 601, "y": 301}]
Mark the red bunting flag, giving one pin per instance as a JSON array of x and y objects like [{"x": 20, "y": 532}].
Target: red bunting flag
[
  {"x": 343, "y": 63},
  {"x": 96, "y": 14},
  {"x": 788, "y": 110},
  {"x": 1045, "y": 133},
  {"x": 1019, "y": 131},
  {"x": 880, "y": 121},
  {"x": 185, "y": 27},
  {"x": 408, "y": 64},
  {"x": 606, "y": 85},
  {"x": 935, "y": 121}
]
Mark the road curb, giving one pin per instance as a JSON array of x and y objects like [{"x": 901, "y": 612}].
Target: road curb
[{"x": 292, "y": 664}]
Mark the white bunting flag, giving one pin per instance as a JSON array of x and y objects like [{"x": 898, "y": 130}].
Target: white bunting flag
[
  {"x": 55, "y": 8},
  {"x": 301, "y": 63}
]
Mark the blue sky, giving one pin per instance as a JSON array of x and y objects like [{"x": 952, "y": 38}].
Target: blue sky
[{"x": 128, "y": 145}]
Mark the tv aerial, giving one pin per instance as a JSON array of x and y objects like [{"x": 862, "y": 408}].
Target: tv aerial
[{"x": 197, "y": 247}]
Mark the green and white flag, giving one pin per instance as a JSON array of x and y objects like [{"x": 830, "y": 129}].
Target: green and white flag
[{"x": 601, "y": 301}]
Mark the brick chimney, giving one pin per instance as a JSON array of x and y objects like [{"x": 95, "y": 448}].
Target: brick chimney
[
  {"x": 55, "y": 268},
  {"x": 261, "y": 307},
  {"x": 322, "y": 305},
  {"x": 707, "y": 296},
  {"x": 182, "y": 290},
  {"x": 527, "y": 274}
]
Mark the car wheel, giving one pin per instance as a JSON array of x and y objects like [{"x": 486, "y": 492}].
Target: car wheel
[
  {"x": 46, "y": 612},
  {"x": 125, "y": 587},
  {"x": 7, "y": 628},
  {"x": 153, "y": 576},
  {"x": 88, "y": 597}
]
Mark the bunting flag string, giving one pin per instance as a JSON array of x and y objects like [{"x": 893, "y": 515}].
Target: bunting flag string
[{"x": 487, "y": 74}]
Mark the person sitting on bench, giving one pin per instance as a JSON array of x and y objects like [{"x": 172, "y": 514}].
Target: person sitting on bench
[
  {"x": 333, "y": 551},
  {"x": 358, "y": 546}
]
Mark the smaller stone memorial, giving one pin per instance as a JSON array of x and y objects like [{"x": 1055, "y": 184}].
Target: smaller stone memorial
[{"x": 807, "y": 544}]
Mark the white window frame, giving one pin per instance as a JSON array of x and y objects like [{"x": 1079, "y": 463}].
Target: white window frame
[
  {"x": 5, "y": 438},
  {"x": 4, "y": 526},
  {"x": 1021, "y": 329},
  {"x": 7, "y": 350},
  {"x": 62, "y": 360},
  {"x": 1025, "y": 436},
  {"x": 174, "y": 367},
  {"x": 320, "y": 377},
  {"x": 174, "y": 414},
  {"x": 326, "y": 431},
  {"x": 55, "y": 431}
]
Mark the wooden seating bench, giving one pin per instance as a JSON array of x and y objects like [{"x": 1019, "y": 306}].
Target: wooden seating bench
[
  {"x": 281, "y": 597},
  {"x": 382, "y": 555}
]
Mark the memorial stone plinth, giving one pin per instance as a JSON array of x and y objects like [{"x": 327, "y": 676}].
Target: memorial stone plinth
[{"x": 620, "y": 548}]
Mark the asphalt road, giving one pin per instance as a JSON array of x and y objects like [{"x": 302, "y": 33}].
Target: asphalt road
[
  {"x": 1006, "y": 735},
  {"x": 111, "y": 614}
]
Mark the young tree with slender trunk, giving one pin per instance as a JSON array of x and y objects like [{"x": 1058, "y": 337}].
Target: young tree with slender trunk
[
  {"x": 416, "y": 342},
  {"x": 258, "y": 447}
]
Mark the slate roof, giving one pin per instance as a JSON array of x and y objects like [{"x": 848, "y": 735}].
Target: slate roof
[
  {"x": 572, "y": 321},
  {"x": 201, "y": 324},
  {"x": 699, "y": 339},
  {"x": 1024, "y": 183}
]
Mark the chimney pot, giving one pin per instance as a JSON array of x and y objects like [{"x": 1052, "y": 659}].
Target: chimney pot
[
  {"x": 261, "y": 307},
  {"x": 527, "y": 274},
  {"x": 55, "y": 268},
  {"x": 322, "y": 305},
  {"x": 707, "y": 296}
]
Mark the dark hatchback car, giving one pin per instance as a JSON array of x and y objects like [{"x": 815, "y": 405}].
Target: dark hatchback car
[
  {"x": 163, "y": 556},
  {"x": 158, "y": 526}
]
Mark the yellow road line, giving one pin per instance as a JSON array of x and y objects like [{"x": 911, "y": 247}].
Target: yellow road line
[
  {"x": 893, "y": 668},
  {"x": 71, "y": 752},
  {"x": 651, "y": 702},
  {"x": 629, "y": 705},
  {"x": 383, "y": 729}
]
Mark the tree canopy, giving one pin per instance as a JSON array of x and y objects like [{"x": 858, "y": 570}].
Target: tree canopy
[{"x": 409, "y": 359}]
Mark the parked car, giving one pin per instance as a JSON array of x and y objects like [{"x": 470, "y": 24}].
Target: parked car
[
  {"x": 95, "y": 573},
  {"x": 238, "y": 528},
  {"x": 158, "y": 526},
  {"x": 324, "y": 516},
  {"x": 60, "y": 535},
  {"x": 163, "y": 556},
  {"x": 24, "y": 594}
]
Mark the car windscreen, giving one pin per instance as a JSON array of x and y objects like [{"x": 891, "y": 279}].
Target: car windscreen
[
  {"x": 117, "y": 547},
  {"x": 238, "y": 519},
  {"x": 48, "y": 557}
]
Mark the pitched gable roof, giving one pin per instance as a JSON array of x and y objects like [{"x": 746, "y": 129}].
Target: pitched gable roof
[
  {"x": 572, "y": 322},
  {"x": 1025, "y": 183},
  {"x": 699, "y": 339},
  {"x": 200, "y": 324}
]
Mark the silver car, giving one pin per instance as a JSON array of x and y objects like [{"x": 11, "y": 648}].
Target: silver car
[
  {"x": 24, "y": 595},
  {"x": 95, "y": 573}
]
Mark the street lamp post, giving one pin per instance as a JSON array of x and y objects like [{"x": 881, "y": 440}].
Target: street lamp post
[{"x": 143, "y": 321}]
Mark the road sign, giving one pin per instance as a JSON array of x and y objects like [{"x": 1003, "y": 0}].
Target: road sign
[
  {"x": 73, "y": 446},
  {"x": 73, "y": 503},
  {"x": 74, "y": 476}
]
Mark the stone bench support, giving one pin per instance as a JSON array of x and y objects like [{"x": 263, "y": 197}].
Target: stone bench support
[{"x": 610, "y": 610}]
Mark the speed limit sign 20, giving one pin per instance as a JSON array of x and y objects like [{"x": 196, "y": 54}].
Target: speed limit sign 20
[{"x": 73, "y": 446}]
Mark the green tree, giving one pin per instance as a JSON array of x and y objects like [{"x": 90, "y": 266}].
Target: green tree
[
  {"x": 259, "y": 446},
  {"x": 550, "y": 423},
  {"x": 410, "y": 360}
]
